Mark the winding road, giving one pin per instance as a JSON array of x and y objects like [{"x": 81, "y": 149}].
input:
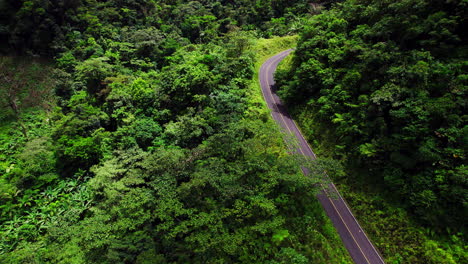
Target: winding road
[{"x": 353, "y": 236}]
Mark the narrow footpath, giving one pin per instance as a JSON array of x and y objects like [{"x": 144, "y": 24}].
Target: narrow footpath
[{"x": 353, "y": 236}]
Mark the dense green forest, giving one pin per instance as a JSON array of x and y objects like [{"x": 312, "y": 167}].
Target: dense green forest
[
  {"x": 381, "y": 86},
  {"x": 134, "y": 132}
]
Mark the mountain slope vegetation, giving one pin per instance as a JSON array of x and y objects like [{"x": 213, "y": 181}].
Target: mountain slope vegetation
[
  {"x": 134, "y": 131},
  {"x": 144, "y": 142},
  {"x": 381, "y": 85}
]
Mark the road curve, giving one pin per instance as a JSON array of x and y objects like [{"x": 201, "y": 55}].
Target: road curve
[{"x": 353, "y": 236}]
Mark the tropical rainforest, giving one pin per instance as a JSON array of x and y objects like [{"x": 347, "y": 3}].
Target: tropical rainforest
[
  {"x": 134, "y": 131},
  {"x": 381, "y": 86}
]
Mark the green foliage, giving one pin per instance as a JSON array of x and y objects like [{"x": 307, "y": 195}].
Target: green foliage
[
  {"x": 27, "y": 216},
  {"x": 150, "y": 28},
  {"x": 93, "y": 72},
  {"x": 211, "y": 204},
  {"x": 375, "y": 84},
  {"x": 78, "y": 134},
  {"x": 400, "y": 238},
  {"x": 154, "y": 153},
  {"x": 392, "y": 95}
]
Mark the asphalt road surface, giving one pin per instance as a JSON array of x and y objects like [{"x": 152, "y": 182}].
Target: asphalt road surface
[{"x": 353, "y": 236}]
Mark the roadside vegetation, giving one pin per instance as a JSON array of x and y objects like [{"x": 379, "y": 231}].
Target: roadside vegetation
[{"x": 381, "y": 86}]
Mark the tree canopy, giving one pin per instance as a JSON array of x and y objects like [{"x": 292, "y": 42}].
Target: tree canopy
[
  {"x": 148, "y": 150},
  {"x": 384, "y": 83}
]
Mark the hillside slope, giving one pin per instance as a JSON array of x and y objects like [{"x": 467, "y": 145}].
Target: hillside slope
[{"x": 381, "y": 85}]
